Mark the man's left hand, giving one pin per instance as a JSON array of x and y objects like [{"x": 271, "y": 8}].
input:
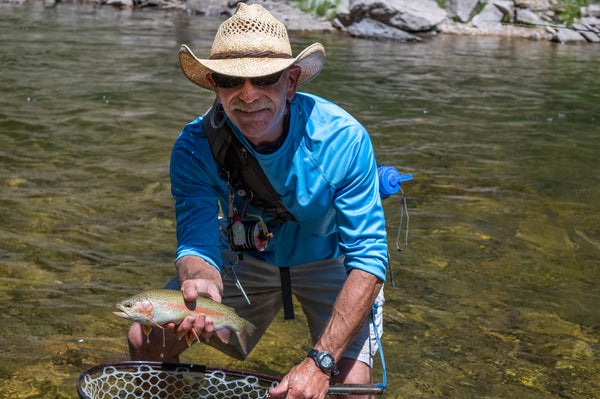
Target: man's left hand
[{"x": 304, "y": 381}]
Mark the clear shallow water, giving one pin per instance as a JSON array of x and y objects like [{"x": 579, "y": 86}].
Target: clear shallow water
[{"x": 497, "y": 293}]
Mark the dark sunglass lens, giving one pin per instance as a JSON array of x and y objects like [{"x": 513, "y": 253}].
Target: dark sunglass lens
[
  {"x": 226, "y": 81},
  {"x": 266, "y": 80}
]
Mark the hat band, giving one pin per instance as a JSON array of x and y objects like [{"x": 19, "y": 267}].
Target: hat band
[{"x": 249, "y": 54}]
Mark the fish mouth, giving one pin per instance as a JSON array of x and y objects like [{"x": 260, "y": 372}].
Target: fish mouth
[{"x": 122, "y": 315}]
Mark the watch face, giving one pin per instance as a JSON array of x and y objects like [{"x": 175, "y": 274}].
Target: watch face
[{"x": 326, "y": 362}]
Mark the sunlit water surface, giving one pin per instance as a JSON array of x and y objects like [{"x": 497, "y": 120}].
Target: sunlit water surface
[{"x": 497, "y": 294}]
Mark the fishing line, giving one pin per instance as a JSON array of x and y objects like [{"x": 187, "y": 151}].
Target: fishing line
[
  {"x": 532, "y": 25},
  {"x": 529, "y": 25},
  {"x": 383, "y": 383},
  {"x": 403, "y": 211}
]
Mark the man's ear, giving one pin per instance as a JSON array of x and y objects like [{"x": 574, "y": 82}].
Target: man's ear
[
  {"x": 211, "y": 81},
  {"x": 213, "y": 84},
  {"x": 293, "y": 76}
]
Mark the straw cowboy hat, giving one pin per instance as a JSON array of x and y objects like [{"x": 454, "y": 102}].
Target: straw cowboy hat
[{"x": 251, "y": 43}]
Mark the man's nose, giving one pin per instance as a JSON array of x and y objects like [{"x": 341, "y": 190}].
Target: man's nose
[{"x": 248, "y": 93}]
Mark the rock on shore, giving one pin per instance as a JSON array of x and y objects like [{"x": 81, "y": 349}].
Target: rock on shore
[
  {"x": 535, "y": 19},
  {"x": 408, "y": 20}
]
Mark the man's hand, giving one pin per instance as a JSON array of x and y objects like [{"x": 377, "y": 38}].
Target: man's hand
[
  {"x": 195, "y": 276},
  {"x": 304, "y": 381},
  {"x": 350, "y": 311}
]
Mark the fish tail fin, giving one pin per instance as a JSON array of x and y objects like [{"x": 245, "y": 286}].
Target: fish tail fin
[{"x": 246, "y": 330}]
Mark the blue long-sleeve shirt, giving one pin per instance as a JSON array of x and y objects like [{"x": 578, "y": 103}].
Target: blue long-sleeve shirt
[{"x": 325, "y": 173}]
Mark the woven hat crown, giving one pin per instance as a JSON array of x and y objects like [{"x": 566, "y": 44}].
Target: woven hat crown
[{"x": 251, "y": 29}]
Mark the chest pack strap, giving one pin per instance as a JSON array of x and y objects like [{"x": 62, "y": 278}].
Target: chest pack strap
[{"x": 242, "y": 170}]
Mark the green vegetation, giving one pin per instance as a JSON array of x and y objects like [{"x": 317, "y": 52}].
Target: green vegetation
[
  {"x": 569, "y": 10},
  {"x": 322, "y": 8}
]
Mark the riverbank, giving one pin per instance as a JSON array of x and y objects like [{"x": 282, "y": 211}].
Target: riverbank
[{"x": 404, "y": 20}]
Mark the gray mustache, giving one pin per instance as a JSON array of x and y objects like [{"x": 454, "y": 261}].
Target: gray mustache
[{"x": 254, "y": 106}]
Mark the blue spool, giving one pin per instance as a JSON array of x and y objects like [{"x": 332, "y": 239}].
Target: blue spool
[{"x": 390, "y": 180}]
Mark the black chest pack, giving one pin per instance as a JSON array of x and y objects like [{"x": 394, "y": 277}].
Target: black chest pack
[{"x": 244, "y": 175}]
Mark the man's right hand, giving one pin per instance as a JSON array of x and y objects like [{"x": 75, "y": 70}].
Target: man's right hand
[{"x": 196, "y": 275}]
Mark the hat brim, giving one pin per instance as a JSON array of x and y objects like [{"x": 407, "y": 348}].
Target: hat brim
[{"x": 311, "y": 61}]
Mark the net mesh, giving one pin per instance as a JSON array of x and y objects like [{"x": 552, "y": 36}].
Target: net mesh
[{"x": 147, "y": 381}]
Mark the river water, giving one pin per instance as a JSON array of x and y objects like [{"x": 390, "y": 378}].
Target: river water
[{"x": 497, "y": 293}]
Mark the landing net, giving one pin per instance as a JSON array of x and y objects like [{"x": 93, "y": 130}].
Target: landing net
[{"x": 133, "y": 380}]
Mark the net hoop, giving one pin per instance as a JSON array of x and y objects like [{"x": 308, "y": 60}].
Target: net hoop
[{"x": 132, "y": 380}]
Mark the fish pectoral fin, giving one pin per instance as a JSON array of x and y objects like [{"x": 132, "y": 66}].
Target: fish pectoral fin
[
  {"x": 151, "y": 321},
  {"x": 191, "y": 337},
  {"x": 146, "y": 329},
  {"x": 223, "y": 334}
]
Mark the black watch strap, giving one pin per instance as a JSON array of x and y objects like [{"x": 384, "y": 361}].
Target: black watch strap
[{"x": 324, "y": 361}]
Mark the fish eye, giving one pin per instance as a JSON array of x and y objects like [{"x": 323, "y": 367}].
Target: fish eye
[{"x": 128, "y": 305}]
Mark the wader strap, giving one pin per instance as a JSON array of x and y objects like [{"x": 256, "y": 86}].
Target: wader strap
[{"x": 286, "y": 293}]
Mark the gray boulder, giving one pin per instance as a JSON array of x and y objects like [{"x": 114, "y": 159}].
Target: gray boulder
[
  {"x": 489, "y": 18},
  {"x": 525, "y": 16},
  {"x": 372, "y": 29},
  {"x": 293, "y": 18},
  {"x": 567, "y": 35},
  {"x": 120, "y": 3},
  {"x": 507, "y": 8},
  {"x": 587, "y": 31},
  {"x": 534, "y": 5},
  {"x": 591, "y": 23},
  {"x": 207, "y": 7},
  {"x": 407, "y": 15},
  {"x": 461, "y": 9}
]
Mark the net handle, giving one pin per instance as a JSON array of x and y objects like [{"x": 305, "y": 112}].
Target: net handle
[{"x": 355, "y": 389}]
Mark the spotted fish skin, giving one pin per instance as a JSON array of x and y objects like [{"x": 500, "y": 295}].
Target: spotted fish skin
[{"x": 159, "y": 307}]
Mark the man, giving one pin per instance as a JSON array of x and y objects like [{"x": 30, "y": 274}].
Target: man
[{"x": 327, "y": 240}]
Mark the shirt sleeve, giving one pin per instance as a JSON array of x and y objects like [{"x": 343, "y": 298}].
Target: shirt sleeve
[
  {"x": 359, "y": 216},
  {"x": 194, "y": 189}
]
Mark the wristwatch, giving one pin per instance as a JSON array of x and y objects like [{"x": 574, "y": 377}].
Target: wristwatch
[{"x": 324, "y": 360}]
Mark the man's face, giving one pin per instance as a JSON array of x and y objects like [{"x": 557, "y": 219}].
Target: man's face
[{"x": 258, "y": 111}]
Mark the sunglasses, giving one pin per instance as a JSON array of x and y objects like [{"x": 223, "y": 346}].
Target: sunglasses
[{"x": 230, "y": 82}]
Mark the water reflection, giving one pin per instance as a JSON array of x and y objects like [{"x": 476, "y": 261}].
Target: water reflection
[{"x": 496, "y": 294}]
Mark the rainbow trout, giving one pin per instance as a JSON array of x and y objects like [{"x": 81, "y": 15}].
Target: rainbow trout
[{"x": 159, "y": 307}]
